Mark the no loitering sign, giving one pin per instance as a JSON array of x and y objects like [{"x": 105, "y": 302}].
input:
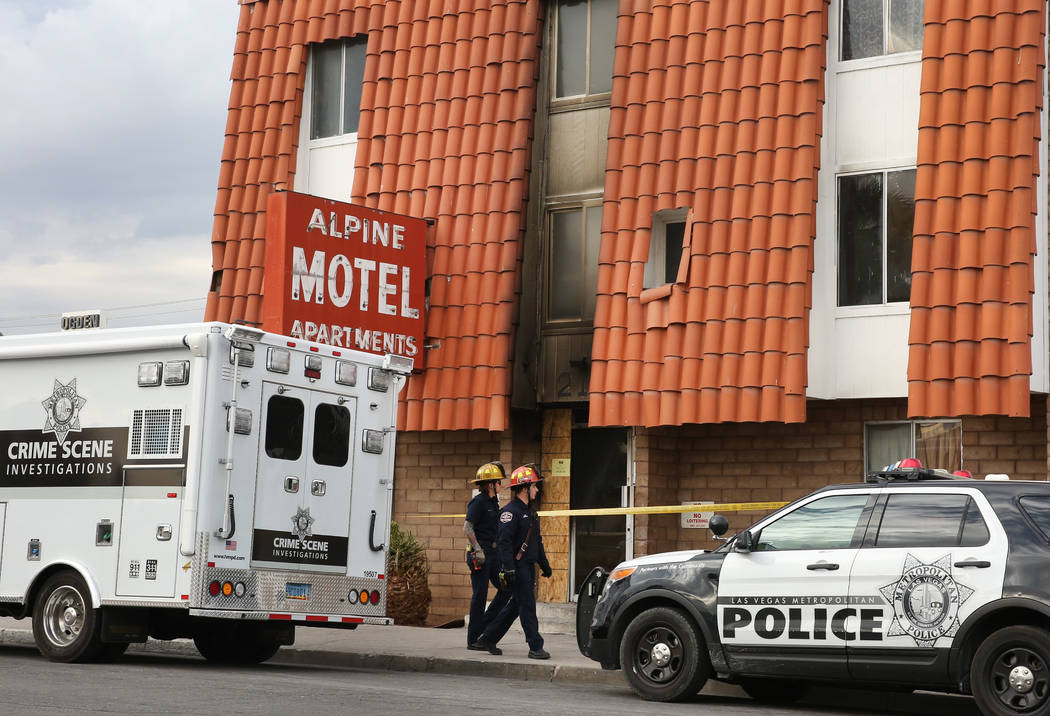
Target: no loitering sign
[{"x": 344, "y": 275}]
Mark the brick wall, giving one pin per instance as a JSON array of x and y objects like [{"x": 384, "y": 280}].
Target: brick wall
[
  {"x": 757, "y": 462},
  {"x": 431, "y": 473}
]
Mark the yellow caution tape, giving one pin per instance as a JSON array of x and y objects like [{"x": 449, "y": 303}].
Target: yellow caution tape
[{"x": 654, "y": 510}]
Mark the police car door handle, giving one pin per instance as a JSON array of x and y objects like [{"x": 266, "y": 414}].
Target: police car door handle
[
  {"x": 830, "y": 566},
  {"x": 979, "y": 563}
]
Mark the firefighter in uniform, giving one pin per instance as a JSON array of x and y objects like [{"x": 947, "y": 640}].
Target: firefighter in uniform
[
  {"x": 480, "y": 527},
  {"x": 519, "y": 549}
]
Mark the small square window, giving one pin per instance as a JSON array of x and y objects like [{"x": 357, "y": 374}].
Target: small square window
[
  {"x": 337, "y": 73},
  {"x": 665, "y": 248},
  {"x": 865, "y": 23},
  {"x": 936, "y": 444},
  {"x": 584, "y": 45}
]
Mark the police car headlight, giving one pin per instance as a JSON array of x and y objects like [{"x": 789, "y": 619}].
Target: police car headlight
[{"x": 620, "y": 573}]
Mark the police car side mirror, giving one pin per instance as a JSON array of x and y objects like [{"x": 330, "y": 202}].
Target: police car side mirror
[
  {"x": 718, "y": 524},
  {"x": 744, "y": 542}
]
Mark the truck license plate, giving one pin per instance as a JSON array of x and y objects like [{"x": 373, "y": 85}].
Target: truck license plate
[{"x": 294, "y": 590}]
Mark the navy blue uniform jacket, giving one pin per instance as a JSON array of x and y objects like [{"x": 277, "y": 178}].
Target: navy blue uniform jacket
[
  {"x": 514, "y": 521},
  {"x": 481, "y": 512}
]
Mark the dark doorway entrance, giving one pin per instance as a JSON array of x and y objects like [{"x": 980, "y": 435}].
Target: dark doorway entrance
[{"x": 599, "y": 474}]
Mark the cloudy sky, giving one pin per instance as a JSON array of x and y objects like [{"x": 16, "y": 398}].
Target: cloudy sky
[{"x": 110, "y": 137}]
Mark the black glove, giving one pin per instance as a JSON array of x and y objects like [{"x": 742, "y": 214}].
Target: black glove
[
  {"x": 546, "y": 571},
  {"x": 506, "y": 579}
]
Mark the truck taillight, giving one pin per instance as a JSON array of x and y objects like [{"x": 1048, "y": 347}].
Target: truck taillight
[
  {"x": 313, "y": 366},
  {"x": 213, "y": 588},
  {"x": 227, "y": 589},
  {"x": 375, "y": 596},
  {"x": 364, "y": 596},
  {"x": 352, "y": 596},
  {"x": 238, "y": 589}
]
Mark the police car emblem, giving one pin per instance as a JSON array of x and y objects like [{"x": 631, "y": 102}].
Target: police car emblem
[
  {"x": 926, "y": 601},
  {"x": 63, "y": 410},
  {"x": 302, "y": 523}
]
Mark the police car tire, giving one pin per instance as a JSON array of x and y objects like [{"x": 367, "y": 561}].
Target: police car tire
[
  {"x": 668, "y": 630},
  {"x": 996, "y": 657},
  {"x": 78, "y": 640},
  {"x": 774, "y": 691}
]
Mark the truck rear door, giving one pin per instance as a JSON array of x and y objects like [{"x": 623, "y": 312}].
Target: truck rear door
[{"x": 302, "y": 501}]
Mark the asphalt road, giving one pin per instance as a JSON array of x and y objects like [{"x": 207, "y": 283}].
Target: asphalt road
[{"x": 141, "y": 684}]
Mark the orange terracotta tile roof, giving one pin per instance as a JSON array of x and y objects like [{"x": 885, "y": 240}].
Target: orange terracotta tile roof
[
  {"x": 716, "y": 106},
  {"x": 445, "y": 128},
  {"x": 975, "y": 208}
]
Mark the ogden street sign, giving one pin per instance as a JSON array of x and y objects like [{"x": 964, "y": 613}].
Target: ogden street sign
[{"x": 344, "y": 275}]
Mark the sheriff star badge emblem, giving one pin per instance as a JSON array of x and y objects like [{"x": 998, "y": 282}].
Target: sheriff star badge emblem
[
  {"x": 63, "y": 410},
  {"x": 302, "y": 523},
  {"x": 926, "y": 601}
]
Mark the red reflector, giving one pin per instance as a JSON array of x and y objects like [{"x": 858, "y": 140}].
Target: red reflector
[
  {"x": 352, "y": 620},
  {"x": 312, "y": 618},
  {"x": 291, "y": 344},
  {"x": 337, "y": 353},
  {"x": 185, "y": 597},
  {"x": 213, "y": 589},
  {"x": 312, "y": 373},
  {"x": 375, "y": 596},
  {"x": 280, "y": 616},
  {"x": 381, "y": 576},
  {"x": 314, "y": 349},
  {"x": 211, "y": 564},
  {"x": 173, "y": 494}
]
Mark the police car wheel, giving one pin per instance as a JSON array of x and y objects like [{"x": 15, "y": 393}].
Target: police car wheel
[
  {"x": 1010, "y": 673},
  {"x": 774, "y": 691},
  {"x": 662, "y": 655},
  {"x": 65, "y": 625}
]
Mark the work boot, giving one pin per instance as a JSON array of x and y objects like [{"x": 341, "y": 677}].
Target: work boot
[
  {"x": 483, "y": 644},
  {"x": 538, "y": 654}
]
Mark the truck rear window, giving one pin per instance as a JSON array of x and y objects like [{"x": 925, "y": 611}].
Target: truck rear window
[
  {"x": 284, "y": 428},
  {"x": 331, "y": 435}
]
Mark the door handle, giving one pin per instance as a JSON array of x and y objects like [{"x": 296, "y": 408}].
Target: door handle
[
  {"x": 291, "y": 484},
  {"x": 979, "y": 563},
  {"x": 318, "y": 488},
  {"x": 372, "y": 535},
  {"x": 829, "y": 566}
]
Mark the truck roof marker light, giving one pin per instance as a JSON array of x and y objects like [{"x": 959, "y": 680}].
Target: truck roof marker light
[
  {"x": 291, "y": 344},
  {"x": 173, "y": 494},
  {"x": 278, "y": 360},
  {"x": 337, "y": 353},
  {"x": 315, "y": 349}
]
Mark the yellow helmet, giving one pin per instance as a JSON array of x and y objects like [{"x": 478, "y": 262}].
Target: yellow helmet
[{"x": 490, "y": 472}]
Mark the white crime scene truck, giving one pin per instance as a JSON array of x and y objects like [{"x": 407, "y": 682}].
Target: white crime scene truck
[{"x": 208, "y": 481}]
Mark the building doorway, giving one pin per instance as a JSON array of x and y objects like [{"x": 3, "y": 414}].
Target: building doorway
[{"x": 599, "y": 479}]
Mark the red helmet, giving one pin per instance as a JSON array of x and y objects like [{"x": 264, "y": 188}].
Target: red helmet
[{"x": 524, "y": 475}]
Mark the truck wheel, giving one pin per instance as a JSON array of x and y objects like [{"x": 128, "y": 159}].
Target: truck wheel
[
  {"x": 663, "y": 655},
  {"x": 1010, "y": 673},
  {"x": 774, "y": 691},
  {"x": 65, "y": 625},
  {"x": 235, "y": 644}
]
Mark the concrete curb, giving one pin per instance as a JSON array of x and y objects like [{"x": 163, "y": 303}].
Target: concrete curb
[{"x": 538, "y": 671}]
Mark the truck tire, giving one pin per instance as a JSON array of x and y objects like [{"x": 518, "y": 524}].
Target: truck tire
[
  {"x": 237, "y": 643},
  {"x": 1010, "y": 673},
  {"x": 774, "y": 691},
  {"x": 663, "y": 656},
  {"x": 65, "y": 625}
]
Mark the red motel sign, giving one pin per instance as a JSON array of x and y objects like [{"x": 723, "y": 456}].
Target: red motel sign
[{"x": 344, "y": 275}]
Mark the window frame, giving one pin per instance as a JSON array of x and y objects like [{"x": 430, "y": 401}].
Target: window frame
[
  {"x": 859, "y": 529},
  {"x": 886, "y": 503},
  {"x": 851, "y": 308},
  {"x": 655, "y": 263},
  {"x": 913, "y": 447},
  {"x": 885, "y": 55},
  {"x": 307, "y": 114},
  {"x": 587, "y": 98},
  {"x": 581, "y": 205}
]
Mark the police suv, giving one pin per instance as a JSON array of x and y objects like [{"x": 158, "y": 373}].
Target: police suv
[{"x": 912, "y": 579}]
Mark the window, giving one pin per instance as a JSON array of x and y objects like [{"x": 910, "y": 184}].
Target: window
[
  {"x": 937, "y": 445},
  {"x": 665, "y": 248},
  {"x": 284, "y": 428},
  {"x": 827, "y": 523},
  {"x": 585, "y": 40},
  {"x": 575, "y": 235},
  {"x": 331, "y": 435},
  {"x": 865, "y": 23},
  {"x": 876, "y": 213},
  {"x": 931, "y": 520},
  {"x": 337, "y": 73},
  {"x": 1037, "y": 508}
]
